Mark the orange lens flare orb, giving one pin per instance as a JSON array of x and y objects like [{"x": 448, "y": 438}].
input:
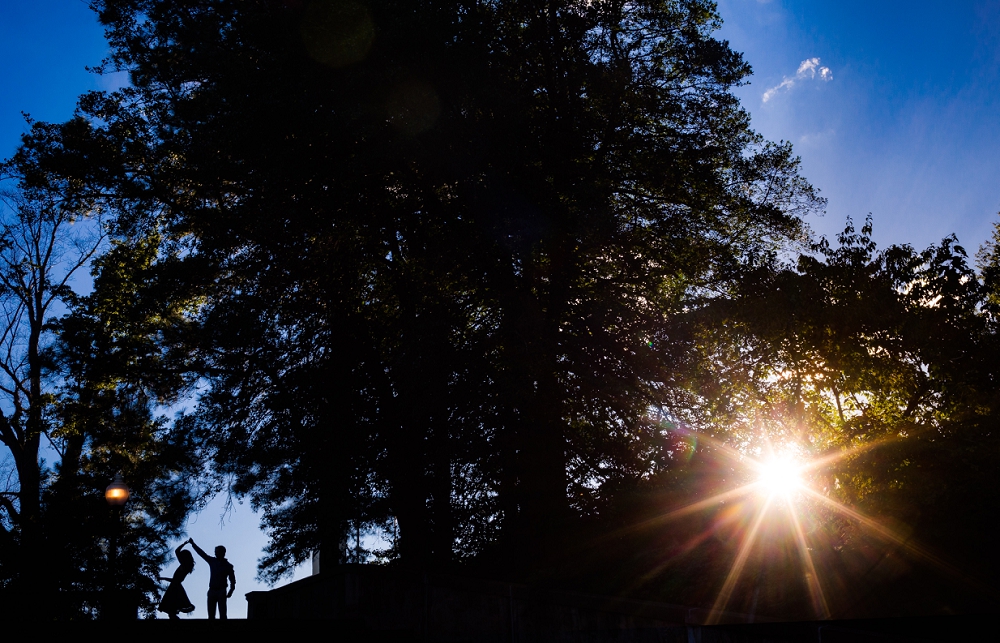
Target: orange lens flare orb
[{"x": 780, "y": 475}]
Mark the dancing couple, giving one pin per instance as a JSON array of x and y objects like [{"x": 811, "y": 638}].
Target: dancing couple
[{"x": 175, "y": 599}]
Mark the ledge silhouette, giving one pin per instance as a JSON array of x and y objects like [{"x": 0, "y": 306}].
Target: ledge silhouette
[{"x": 379, "y": 603}]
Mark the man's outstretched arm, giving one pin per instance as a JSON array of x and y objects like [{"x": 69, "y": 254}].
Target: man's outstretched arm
[{"x": 200, "y": 551}]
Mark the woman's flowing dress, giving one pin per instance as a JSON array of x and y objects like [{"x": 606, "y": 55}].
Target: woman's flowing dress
[{"x": 175, "y": 599}]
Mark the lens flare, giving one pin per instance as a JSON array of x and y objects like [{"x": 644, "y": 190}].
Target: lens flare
[{"x": 780, "y": 475}]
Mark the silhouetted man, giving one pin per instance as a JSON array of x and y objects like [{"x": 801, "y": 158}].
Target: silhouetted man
[{"x": 222, "y": 570}]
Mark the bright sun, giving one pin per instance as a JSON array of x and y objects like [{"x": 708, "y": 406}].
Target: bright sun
[{"x": 780, "y": 475}]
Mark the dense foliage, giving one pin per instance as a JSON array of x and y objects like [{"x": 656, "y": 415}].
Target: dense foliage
[
  {"x": 433, "y": 267},
  {"x": 79, "y": 400}
]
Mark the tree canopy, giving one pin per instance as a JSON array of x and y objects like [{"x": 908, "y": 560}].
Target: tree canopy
[
  {"x": 81, "y": 380},
  {"x": 437, "y": 267}
]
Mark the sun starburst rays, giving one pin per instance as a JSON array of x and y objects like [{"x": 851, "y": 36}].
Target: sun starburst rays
[
  {"x": 780, "y": 494},
  {"x": 737, "y": 567},
  {"x": 889, "y": 534},
  {"x": 819, "y": 604}
]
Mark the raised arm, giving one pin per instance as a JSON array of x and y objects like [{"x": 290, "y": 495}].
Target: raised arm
[
  {"x": 179, "y": 548},
  {"x": 201, "y": 553}
]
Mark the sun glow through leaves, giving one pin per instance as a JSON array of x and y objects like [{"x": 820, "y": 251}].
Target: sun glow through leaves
[
  {"x": 773, "y": 508},
  {"x": 783, "y": 493},
  {"x": 780, "y": 475}
]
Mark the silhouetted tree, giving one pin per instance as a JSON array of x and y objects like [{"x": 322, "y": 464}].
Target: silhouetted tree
[
  {"x": 879, "y": 364},
  {"x": 441, "y": 246},
  {"x": 81, "y": 384},
  {"x": 40, "y": 250}
]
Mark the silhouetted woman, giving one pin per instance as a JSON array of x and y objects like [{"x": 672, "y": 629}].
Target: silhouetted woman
[{"x": 175, "y": 599}]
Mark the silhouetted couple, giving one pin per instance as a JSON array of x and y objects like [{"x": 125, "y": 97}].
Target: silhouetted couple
[{"x": 175, "y": 599}]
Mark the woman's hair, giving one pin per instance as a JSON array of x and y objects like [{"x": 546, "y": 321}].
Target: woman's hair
[{"x": 185, "y": 558}]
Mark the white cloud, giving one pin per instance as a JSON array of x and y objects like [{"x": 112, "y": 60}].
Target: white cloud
[
  {"x": 785, "y": 84},
  {"x": 807, "y": 70},
  {"x": 807, "y": 66}
]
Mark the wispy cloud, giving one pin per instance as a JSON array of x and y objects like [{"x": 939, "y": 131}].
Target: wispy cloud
[{"x": 808, "y": 70}]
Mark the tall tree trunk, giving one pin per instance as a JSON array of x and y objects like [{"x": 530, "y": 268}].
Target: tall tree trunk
[{"x": 442, "y": 515}]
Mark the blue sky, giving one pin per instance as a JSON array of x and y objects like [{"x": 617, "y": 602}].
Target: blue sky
[
  {"x": 44, "y": 47},
  {"x": 907, "y": 127},
  {"x": 903, "y": 124}
]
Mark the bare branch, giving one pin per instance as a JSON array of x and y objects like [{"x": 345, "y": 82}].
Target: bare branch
[{"x": 8, "y": 506}]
